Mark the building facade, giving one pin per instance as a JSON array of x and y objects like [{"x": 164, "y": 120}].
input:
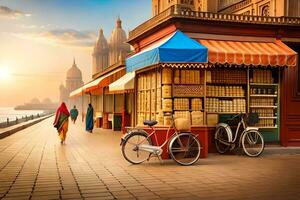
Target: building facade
[{"x": 276, "y": 8}]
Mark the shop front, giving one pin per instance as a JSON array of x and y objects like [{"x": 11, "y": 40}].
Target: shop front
[
  {"x": 208, "y": 80},
  {"x": 123, "y": 89},
  {"x": 105, "y": 105}
]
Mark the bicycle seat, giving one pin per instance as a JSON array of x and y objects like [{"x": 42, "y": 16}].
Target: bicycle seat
[{"x": 150, "y": 122}]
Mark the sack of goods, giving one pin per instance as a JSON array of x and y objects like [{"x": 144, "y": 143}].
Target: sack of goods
[{"x": 182, "y": 124}]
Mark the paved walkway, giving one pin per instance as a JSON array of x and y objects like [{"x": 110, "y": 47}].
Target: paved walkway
[{"x": 34, "y": 165}]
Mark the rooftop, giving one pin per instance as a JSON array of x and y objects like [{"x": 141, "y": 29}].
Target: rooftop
[{"x": 177, "y": 12}]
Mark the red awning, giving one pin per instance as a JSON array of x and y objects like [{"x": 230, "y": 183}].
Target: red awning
[{"x": 250, "y": 53}]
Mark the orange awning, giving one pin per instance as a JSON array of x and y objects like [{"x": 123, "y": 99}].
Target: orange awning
[
  {"x": 250, "y": 53},
  {"x": 101, "y": 81}
]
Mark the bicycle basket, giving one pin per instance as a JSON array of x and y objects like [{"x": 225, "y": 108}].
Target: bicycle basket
[
  {"x": 182, "y": 124},
  {"x": 252, "y": 119}
]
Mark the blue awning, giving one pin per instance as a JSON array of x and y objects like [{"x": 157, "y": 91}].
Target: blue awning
[{"x": 177, "y": 48}]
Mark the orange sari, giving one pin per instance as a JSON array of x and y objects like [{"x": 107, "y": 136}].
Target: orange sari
[{"x": 63, "y": 131}]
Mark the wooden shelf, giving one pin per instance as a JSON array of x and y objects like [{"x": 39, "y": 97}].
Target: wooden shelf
[
  {"x": 263, "y": 95},
  {"x": 263, "y": 107},
  {"x": 264, "y": 84},
  {"x": 224, "y": 112},
  {"x": 186, "y": 84},
  {"x": 225, "y": 96},
  {"x": 186, "y": 96},
  {"x": 210, "y": 83},
  {"x": 267, "y": 117},
  {"x": 267, "y": 127}
]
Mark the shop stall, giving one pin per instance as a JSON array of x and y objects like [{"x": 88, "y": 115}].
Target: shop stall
[{"x": 209, "y": 81}]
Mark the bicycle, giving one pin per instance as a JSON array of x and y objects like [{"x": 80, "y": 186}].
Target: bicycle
[
  {"x": 250, "y": 139},
  {"x": 183, "y": 146}
]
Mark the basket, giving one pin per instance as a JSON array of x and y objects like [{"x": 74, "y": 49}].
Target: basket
[
  {"x": 252, "y": 119},
  {"x": 182, "y": 124}
]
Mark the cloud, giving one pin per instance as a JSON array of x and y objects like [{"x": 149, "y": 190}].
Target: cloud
[
  {"x": 10, "y": 13},
  {"x": 65, "y": 37}
]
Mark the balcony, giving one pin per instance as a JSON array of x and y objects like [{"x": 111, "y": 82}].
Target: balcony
[{"x": 178, "y": 12}]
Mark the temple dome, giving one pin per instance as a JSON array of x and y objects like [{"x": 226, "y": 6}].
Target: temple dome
[
  {"x": 74, "y": 72},
  {"x": 118, "y": 36},
  {"x": 101, "y": 43}
]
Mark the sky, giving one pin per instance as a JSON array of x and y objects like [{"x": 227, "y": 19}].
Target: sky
[{"x": 40, "y": 38}]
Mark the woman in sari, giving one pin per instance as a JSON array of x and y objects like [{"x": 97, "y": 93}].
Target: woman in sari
[
  {"x": 89, "y": 120},
  {"x": 61, "y": 121}
]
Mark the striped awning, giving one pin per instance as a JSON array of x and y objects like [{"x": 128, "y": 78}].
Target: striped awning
[
  {"x": 249, "y": 53},
  {"x": 76, "y": 93},
  {"x": 123, "y": 84},
  {"x": 101, "y": 81}
]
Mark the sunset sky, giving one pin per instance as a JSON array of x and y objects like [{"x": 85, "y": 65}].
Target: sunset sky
[{"x": 39, "y": 38}]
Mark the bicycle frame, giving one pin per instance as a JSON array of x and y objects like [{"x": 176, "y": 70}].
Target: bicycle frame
[
  {"x": 238, "y": 128},
  {"x": 153, "y": 132}
]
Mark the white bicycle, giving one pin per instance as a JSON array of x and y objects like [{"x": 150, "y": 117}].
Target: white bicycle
[{"x": 250, "y": 139}]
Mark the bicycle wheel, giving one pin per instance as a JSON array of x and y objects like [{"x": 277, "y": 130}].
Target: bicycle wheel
[
  {"x": 253, "y": 143},
  {"x": 184, "y": 149},
  {"x": 130, "y": 147},
  {"x": 221, "y": 138}
]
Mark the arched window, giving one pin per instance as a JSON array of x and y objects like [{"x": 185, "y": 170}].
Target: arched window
[{"x": 265, "y": 11}]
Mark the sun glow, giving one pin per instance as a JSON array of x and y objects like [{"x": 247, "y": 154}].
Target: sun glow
[{"x": 4, "y": 73}]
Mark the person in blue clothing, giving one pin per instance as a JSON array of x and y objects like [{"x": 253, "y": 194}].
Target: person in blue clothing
[
  {"x": 89, "y": 120},
  {"x": 74, "y": 114}
]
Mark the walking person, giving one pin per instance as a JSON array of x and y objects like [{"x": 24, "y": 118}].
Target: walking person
[
  {"x": 74, "y": 114},
  {"x": 61, "y": 122},
  {"x": 89, "y": 119}
]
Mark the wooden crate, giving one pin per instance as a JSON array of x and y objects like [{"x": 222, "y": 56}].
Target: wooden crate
[
  {"x": 197, "y": 118},
  {"x": 167, "y": 105},
  {"x": 167, "y": 91}
]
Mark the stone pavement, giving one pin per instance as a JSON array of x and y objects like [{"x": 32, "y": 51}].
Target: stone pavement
[{"x": 34, "y": 165}]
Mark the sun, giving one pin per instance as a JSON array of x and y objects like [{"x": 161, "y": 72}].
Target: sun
[{"x": 4, "y": 73}]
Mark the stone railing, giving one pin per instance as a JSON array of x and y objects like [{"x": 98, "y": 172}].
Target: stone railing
[
  {"x": 11, "y": 122},
  {"x": 178, "y": 12}
]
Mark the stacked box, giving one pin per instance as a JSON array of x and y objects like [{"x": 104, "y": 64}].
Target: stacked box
[
  {"x": 160, "y": 118},
  {"x": 167, "y": 120},
  {"x": 167, "y": 76},
  {"x": 212, "y": 119},
  {"x": 153, "y": 80},
  {"x": 183, "y": 80},
  {"x": 197, "y": 118},
  {"x": 166, "y": 91},
  {"x": 167, "y": 105},
  {"x": 181, "y": 104},
  {"x": 196, "y": 104},
  {"x": 208, "y": 76},
  {"x": 262, "y": 76},
  {"x": 177, "y": 76},
  {"x": 158, "y": 99},
  {"x": 197, "y": 78},
  {"x": 158, "y": 80},
  {"x": 182, "y": 114}
]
